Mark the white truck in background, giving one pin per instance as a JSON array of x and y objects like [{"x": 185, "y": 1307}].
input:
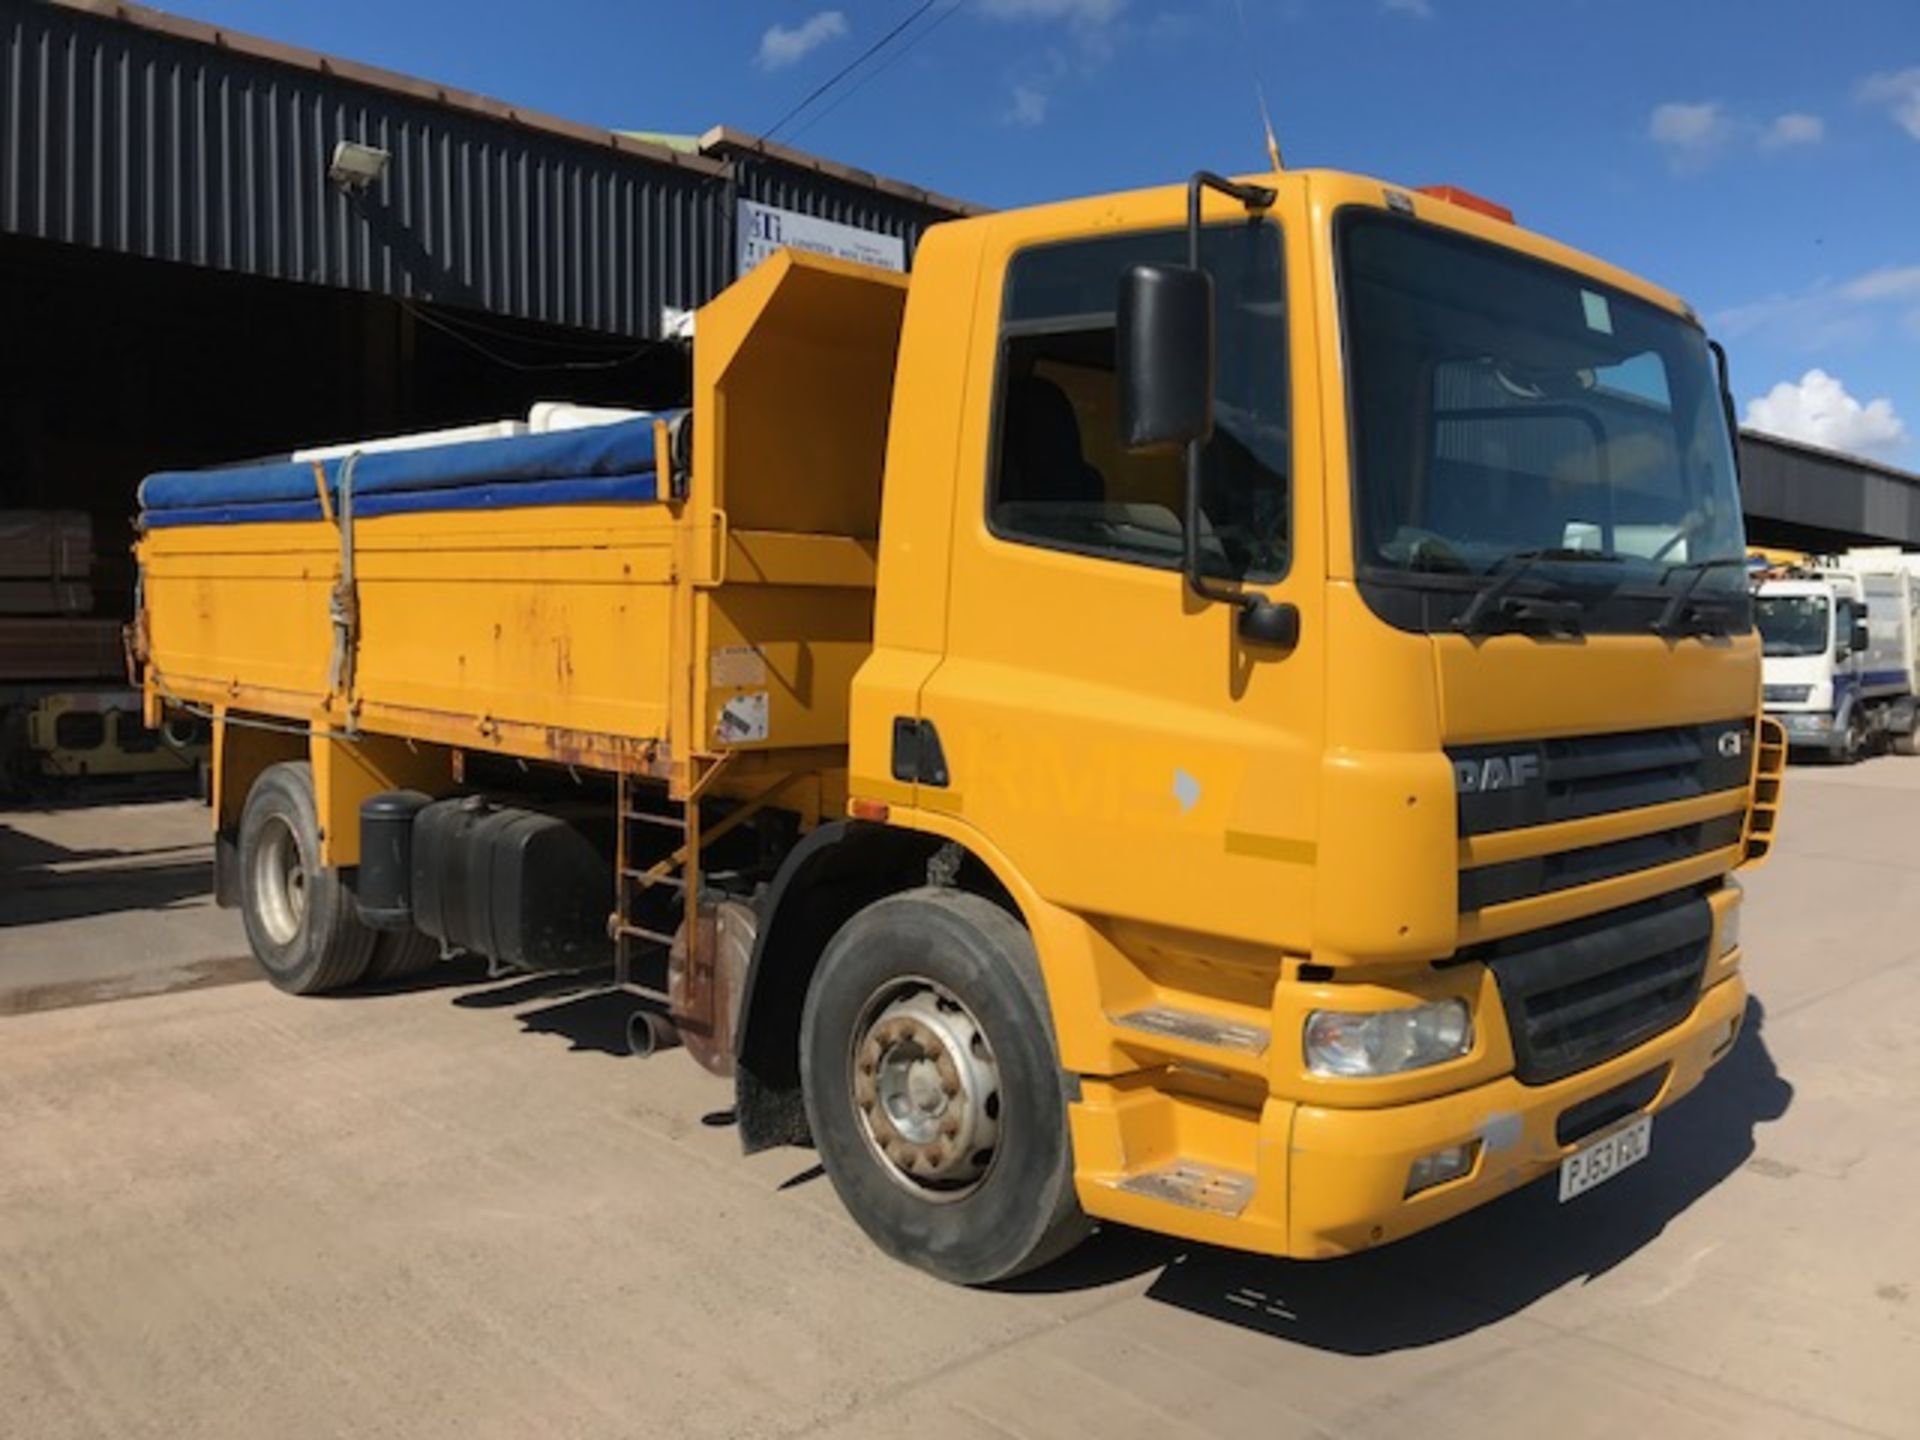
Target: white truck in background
[{"x": 1841, "y": 647}]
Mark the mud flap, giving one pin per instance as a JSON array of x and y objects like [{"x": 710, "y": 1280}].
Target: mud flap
[
  {"x": 226, "y": 870},
  {"x": 768, "y": 1116}
]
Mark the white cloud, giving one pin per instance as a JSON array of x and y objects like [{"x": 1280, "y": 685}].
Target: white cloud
[
  {"x": 1793, "y": 128},
  {"x": 1028, "y": 106},
  {"x": 1419, "y": 9},
  {"x": 1898, "y": 92},
  {"x": 1695, "y": 133},
  {"x": 1828, "y": 314},
  {"x": 1819, "y": 411},
  {"x": 1098, "y": 29},
  {"x": 1889, "y": 282},
  {"x": 1081, "y": 12},
  {"x": 782, "y": 45},
  {"x": 1691, "y": 132}
]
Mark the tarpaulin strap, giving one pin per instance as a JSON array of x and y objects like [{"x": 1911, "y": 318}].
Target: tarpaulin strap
[
  {"x": 320, "y": 486},
  {"x": 343, "y": 606}
]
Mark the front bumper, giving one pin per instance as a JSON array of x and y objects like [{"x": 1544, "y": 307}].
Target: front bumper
[
  {"x": 1348, "y": 1168},
  {"x": 1810, "y": 729}
]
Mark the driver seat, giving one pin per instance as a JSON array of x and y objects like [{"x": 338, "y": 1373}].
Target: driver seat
[{"x": 1040, "y": 454}]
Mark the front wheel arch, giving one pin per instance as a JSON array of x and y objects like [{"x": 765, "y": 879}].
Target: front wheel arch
[{"x": 838, "y": 870}]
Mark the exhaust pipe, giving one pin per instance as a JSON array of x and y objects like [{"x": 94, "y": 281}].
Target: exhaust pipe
[{"x": 649, "y": 1032}]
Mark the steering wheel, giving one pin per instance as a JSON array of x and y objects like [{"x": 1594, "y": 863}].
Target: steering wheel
[{"x": 1430, "y": 550}]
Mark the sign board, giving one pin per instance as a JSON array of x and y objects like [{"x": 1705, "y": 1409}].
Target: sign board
[{"x": 766, "y": 228}]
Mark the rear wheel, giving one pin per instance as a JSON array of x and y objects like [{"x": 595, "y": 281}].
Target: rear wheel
[
  {"x": 300, "y": 919},
  {"x": 400, "y": 954},
  {"x": 934, "y": 1091}
]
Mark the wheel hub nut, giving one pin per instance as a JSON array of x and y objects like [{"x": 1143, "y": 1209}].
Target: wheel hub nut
[{"x": 927, "y": 1088}]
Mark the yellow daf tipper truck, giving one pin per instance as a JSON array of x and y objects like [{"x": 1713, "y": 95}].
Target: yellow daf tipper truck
[{"x": 1230, "y": 708}]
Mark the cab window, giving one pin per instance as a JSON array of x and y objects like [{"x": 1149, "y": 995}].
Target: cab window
[{"x": 1060, "y": 476}]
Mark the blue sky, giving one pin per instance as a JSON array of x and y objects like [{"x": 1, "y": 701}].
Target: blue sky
[{"x": 1762, "y": 157}]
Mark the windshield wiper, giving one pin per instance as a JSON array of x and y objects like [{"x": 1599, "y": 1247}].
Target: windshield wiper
[
  {"x": 1682, "y": 617},
  {"x": 1493, "y": 602}
]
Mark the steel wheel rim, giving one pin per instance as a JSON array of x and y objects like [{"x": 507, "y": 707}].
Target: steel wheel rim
[
  {"x": 279, "y": 881},
  {"x": 926, "y": 1089}
]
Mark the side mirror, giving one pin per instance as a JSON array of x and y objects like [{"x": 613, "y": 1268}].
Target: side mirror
[
  {"x": 1165, "y": 346},
  {"x": 1859, "y": 639}
]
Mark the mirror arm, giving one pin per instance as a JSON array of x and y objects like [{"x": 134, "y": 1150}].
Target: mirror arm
[
  {"x": 1257, "y": 198},
  {"x": 1261, "y": 621},
  {"x": 1727, "y": 406}
]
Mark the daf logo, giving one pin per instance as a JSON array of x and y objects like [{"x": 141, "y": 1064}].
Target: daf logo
[
  {"x": 1731, "y": 744},
  {"x": 1498, "y": 772}
]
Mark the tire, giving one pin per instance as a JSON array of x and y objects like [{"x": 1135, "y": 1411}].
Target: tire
[
  {"x": 1854, "y": 746},
  {"x": 399, "y": 955},
  {"x": 1906, "y": 743},
  {"x": 937, "y": 990},
  {"x": 300, "y": 918}
]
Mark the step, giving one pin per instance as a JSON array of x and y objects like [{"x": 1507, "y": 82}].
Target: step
[
  {"x": 649, "y": 879},
  {"x": 624, "y": 931},
  {"x": 1196, "y": 1186},
  {"x": 1196, "y": 1029}
]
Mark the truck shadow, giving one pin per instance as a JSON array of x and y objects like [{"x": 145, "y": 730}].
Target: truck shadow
[
  {"x": 42, "y": 882},
  {"x": 1475, "y": 1270},
  {"x": 581, "y": 1007},
  {"x": 578, "y": 1006}
]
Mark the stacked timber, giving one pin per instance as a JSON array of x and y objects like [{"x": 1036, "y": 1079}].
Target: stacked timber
[
  {"x": 46, "y": 600},
  {"x": 46, "y": 562}
]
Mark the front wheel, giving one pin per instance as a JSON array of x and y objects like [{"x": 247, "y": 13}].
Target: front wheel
[
  {"x": 1854, "y": 746},
  {"x": 934, "y": 1090}
]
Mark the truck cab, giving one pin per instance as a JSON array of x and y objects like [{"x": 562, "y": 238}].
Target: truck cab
[
  {"x": 1350, "y": 923},
  {"x": 1813, "y": 631},
  {"x": 1839, "y": 655}
]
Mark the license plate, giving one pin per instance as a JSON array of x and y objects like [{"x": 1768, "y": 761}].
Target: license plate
[{"x": 1605, "y": 1158}]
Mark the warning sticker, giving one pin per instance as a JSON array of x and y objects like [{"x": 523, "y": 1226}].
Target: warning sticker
[
  {"x": 743, "y": 719},
  {"x": 1598, "y": 312},
  {"x": 736, "y": 667}
]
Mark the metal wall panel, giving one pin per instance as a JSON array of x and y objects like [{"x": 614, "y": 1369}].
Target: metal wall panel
[
  {"x": 123, "y": 136},
  {"x": 1796, "y": 485}
]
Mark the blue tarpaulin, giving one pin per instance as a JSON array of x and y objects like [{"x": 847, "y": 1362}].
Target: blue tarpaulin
[
  {"x": 513, "y": 494},
  {"x": 601, "y": 462}
]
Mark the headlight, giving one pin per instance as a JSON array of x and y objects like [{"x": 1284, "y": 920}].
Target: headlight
[
  {"x": 1730, "y": 919},
  {"x": 1786, "y": 694},
  {"x": 1385, "y": 1042}
]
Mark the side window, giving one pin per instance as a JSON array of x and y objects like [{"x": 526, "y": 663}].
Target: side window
[{"x": 1060, "y": 476}]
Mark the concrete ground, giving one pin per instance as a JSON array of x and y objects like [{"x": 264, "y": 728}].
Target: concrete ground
[
  {"x": 109, "y": 898},
  {"x": 460, "y": 1211}
]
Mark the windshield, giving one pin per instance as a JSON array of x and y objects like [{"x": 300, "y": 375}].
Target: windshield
[
  {"x": 1507, "y": 411},
  {"x": 1791, "y": 624}
]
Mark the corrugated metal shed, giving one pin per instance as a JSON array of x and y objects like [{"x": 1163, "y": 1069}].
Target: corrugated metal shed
[
  {"x": 138, "y": 132},
  {"x": 1784, "y": 483}
]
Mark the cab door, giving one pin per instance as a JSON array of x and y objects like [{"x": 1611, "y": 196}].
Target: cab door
[{"x": 1103, "y": 727}]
